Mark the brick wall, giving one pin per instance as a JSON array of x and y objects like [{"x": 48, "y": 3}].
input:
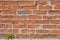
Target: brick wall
[{"x": 30, "y": 19}]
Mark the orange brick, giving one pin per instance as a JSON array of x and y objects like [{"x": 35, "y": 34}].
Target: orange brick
[
  {"x": 45, "y": 8},
  {"x": 57, "y": 7},
  {"x": 9, "y": 17},
  {"x": 7, "y": 12},
  {"x": 42, "y": 31},
  {"x": 2, "y": 30},
  {"x": 15, "y": 31},
  {"x": 49, "y": 17},
  {"x": 29, "y": 7},
  {"x": 33, "y": 26},
  {"x": 58, "y": 26},
  {"x": 27, "y": 31},
  {"x": 2, "y": 25},
  {"x": 39, "y": 12},
  {"x": 11, "y": 3},
  {"x": 22, "y": 36},
  {"x": 37, "y": 35},
  {"x": 41, "y": 22},
  {"x": 54, "y": 12},
  {"x": 55, "y": 2},
  {"x": 19, "y": 26},
  {"x": 25, "y": 3},
  {"x": 49, "y": 26},
  {"x": 55, "y": 21},
  {"x": 17, "y": 7},
  {"x": 7, "y": 7},
  {"x": 8, "y": 25},
  {"x": 27, "y": 22},
  {"x": 58, "y": 16},
  {"x": 34, "y": 17},
  {"x": 55, "y": 31},
  {"x": 24, "y": 12},
  {"x": 23, "y": 17},
  {"x": 41, "y": 2},
  {"x": 1, "y": 2},
  {"x": 1, "y": 7},
  {"x": 8, "y": 31},
  {"x": 9, "y": 21}
]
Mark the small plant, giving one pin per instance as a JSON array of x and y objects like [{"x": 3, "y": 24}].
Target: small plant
[{"x": 9, "y": 36}]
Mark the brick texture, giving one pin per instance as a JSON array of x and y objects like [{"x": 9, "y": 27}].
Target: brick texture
[{"x": 30, "y": 18}]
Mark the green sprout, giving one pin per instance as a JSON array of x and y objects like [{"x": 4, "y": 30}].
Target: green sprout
[{"x": 9, "y": 36}]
